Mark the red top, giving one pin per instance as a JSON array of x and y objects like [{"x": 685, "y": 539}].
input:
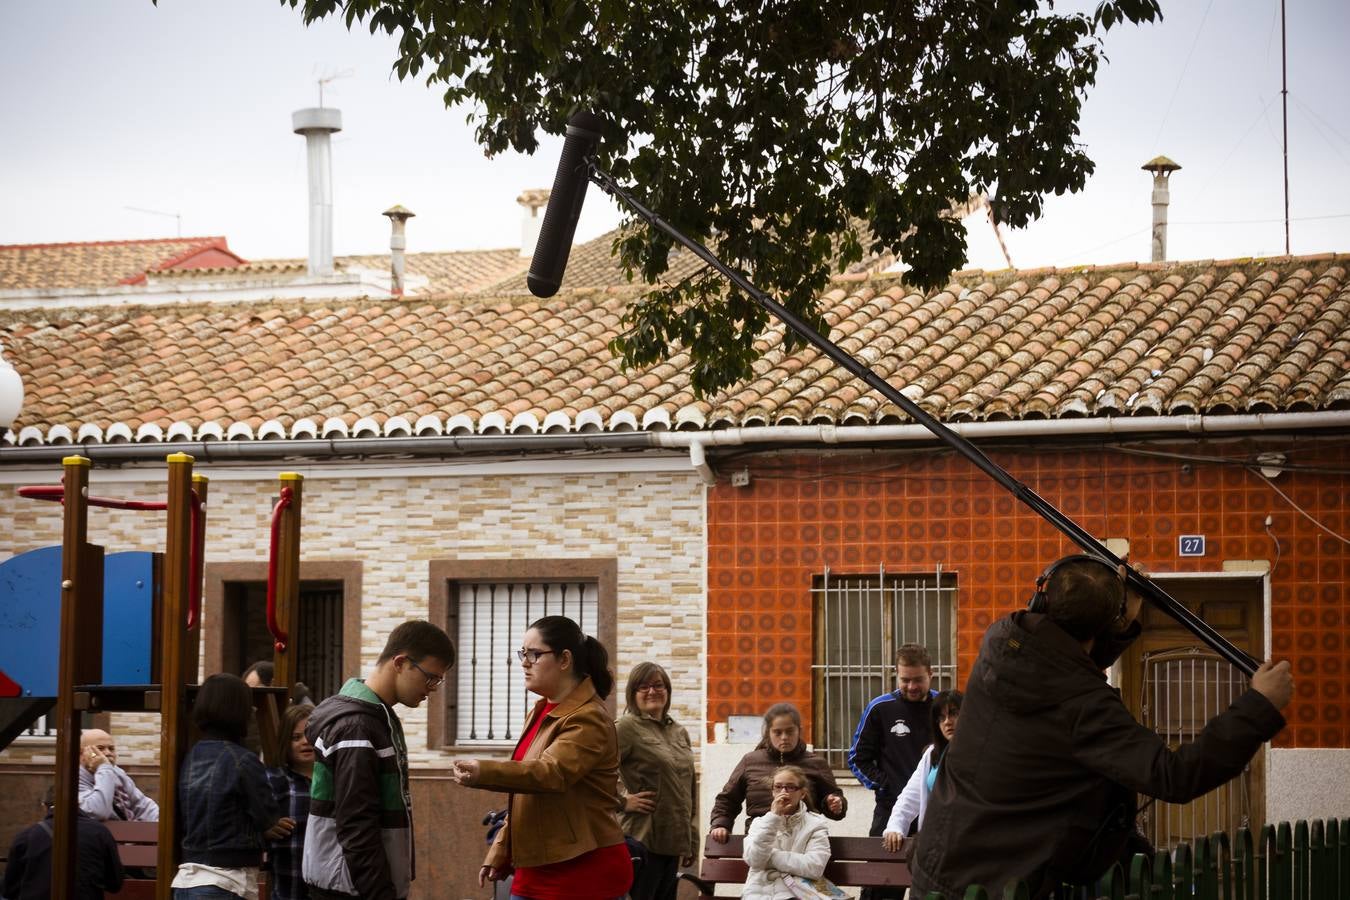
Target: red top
[{"x": 606, "y": 872}]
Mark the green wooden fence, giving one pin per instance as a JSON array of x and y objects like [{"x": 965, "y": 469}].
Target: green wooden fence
[{"x": 1303, "y": 861}]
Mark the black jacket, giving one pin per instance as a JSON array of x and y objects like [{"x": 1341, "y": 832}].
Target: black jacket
[
  {"x": 28, "y": 874},
  {"x": 891, "y": 737},
  {"x": 1039, "y": 781}
]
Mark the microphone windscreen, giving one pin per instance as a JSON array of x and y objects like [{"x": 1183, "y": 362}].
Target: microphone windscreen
[{"x": 564, "y": 205}]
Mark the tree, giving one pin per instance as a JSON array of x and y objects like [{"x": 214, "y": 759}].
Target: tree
[{"x": 774, "y": 127}]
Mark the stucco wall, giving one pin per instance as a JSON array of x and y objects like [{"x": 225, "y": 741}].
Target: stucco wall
[{"x": 1311, "y": 783}]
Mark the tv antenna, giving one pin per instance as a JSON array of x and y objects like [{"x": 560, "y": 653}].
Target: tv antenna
[
  {"x": 177, "y": 217},
  {"x": 332, "y": 76}
]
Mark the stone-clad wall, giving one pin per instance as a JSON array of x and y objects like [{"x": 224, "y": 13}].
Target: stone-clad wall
[{"x": 652, "y": 523}]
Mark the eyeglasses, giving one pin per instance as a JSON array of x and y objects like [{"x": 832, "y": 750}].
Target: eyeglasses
[
  {"x": 532, "y": 656},
  {"x": 655, "y": 687},
  {"x": 787, "y": 788},
  {"x": 433, "y": 681}
]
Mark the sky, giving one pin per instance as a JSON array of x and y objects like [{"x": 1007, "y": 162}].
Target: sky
[{"x": 113, "y": 107}]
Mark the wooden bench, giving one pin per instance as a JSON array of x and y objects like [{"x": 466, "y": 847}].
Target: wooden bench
[
  {"x": 138, "y": 848},
  {"x": 854, "y": 862}
]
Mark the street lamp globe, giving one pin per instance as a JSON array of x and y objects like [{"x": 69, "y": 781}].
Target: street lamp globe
[{"x": 11, "y": 393}]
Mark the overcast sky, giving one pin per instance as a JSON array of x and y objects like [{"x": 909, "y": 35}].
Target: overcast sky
[{"x": 185, "y": 109}]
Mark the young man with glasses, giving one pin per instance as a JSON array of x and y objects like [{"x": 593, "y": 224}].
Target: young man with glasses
[{"x": 359, "y": 841}]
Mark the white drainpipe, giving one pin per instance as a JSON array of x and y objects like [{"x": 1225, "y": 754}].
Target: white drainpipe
[{"x": 1124, "y": 426}]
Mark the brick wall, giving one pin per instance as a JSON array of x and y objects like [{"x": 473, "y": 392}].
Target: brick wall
[{"x": 912, "y": 511}]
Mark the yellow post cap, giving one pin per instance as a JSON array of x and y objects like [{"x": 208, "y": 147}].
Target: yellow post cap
[
  {"x": 179, "y": 458},
  {"x": 76, "y": 461},
  {"x": 198, "y": 478},
  {"x": 290, "y": 476}
]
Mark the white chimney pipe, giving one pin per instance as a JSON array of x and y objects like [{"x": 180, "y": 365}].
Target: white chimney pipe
[
  {"x": 1162, "y": 169},
  {"x": 316, "y": 124},
  {"x": 398, "y": 242},
  {"x": 533, "y": 199}
]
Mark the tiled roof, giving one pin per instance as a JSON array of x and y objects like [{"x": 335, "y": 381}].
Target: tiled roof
[
  {"x": 592, "y": 265},
  {"x": 1238, "y": 336},
  {"x": 93, "y": 264},
  {"x": 454, "y": 272}
]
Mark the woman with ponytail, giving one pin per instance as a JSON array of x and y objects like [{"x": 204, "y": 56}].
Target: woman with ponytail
[{"x": 562, "y": 837}]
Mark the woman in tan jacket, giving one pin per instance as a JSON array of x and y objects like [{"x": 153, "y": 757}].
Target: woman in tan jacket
[
  {"x": 562, "y": 835},
  {"x": 659, "y": 795}
]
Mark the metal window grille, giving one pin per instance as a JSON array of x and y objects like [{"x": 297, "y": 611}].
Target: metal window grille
[
  {"x": 860, "y": 620},
  {"x": 321, "y": 613},
  {"x": 1182, "y": 690},
  {"x": 491, "y": 700}
]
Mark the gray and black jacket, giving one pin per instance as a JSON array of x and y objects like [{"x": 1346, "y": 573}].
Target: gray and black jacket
[{"x": 359, "y": 839}]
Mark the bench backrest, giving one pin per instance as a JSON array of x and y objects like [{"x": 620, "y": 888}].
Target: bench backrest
[
  {"x": 137, "y": 842},
  {"x": 854, "y": 861}
]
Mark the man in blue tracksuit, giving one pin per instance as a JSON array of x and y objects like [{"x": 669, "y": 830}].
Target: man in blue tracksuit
[{"x": 892, "y": 734}]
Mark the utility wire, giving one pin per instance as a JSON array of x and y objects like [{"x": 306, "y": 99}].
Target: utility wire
[{"x": 1176, "y": 89}]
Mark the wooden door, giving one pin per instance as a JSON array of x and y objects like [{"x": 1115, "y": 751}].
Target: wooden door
[{"x": 1174, "y": 685}]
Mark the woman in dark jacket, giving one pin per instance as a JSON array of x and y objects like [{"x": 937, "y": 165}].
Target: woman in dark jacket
[
  {"x": 658, "y": 794},
  {"x": 780, "y": 745},
  {"x": 224, "y": 804}
]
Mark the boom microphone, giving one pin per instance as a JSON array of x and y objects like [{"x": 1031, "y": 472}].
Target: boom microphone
[{"x": 564, "y": 205}]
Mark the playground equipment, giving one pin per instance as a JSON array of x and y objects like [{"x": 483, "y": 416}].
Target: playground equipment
[{"x": 86, "y": 631}]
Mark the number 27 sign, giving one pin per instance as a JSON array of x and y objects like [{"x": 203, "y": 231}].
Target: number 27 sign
[{"x": 1191, "y": 545}]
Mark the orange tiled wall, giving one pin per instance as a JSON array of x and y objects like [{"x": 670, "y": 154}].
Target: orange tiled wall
[{"x": 912, "y": 511}]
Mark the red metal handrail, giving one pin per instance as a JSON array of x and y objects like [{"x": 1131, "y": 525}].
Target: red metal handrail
[
  {"x": 280, "y": 637},
  {"x": 56, "y": 493}
]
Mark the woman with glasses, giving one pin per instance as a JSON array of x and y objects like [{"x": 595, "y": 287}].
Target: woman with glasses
[
  {"x": 658, "y": 796},
  {"x": 790, "y": 839},
  {"x": 561, "y": 837}
]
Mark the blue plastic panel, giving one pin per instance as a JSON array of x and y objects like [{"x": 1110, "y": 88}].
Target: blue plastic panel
[
  {"x": 128, "y": 605},
  {"x": 30, "y": 618}
]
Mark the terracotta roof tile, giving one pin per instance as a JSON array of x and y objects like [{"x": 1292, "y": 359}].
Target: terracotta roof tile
[
  {"x": 97, "y": 263},
  {"x": 1254, "y": 336}
]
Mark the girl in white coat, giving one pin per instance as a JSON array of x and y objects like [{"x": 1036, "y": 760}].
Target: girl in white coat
[
  {"x": 913, "y": 800},
  {"x": 790, "y": 839}
]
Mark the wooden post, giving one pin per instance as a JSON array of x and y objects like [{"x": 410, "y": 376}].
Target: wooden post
[
  {"x": 80, "y": 661},
  {"x": 285, "y": 657},
  {"x": 173, "y": 693},
  {"x": 192, "y": 646}
]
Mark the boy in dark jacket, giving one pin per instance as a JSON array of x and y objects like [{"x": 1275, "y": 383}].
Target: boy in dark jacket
[
  {"x": 1040, "y": 782},
  {"x": 359, "y": 841}
]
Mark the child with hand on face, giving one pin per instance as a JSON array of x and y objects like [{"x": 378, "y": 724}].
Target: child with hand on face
[{"x": 789, "y": 839}]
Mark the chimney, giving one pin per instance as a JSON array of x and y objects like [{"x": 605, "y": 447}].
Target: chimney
[
  {"x": 398, "y": 242},
  {"x": 316, "y": 124},
  {"x": 1162, "y": 169},
  {"x": 533, "y": 200}
]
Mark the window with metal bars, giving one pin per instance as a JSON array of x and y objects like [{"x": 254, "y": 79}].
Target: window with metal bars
[
  {"x": 859, "y": 621},
  {"x": 491, "y": 701}
]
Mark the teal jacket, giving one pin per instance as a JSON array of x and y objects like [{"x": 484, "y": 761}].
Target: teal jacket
[{"x": 360, "y": 839}]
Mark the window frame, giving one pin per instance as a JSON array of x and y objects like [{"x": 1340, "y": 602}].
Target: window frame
[
  {"x": 444, "y": 577},
  {"x": 218, "y": 575}
]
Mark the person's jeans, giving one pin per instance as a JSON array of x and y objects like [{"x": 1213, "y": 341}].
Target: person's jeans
[{"x": 204, "y": 892}]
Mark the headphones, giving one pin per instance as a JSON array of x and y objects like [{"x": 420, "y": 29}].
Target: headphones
[{"x": 1040, "y": 600}]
